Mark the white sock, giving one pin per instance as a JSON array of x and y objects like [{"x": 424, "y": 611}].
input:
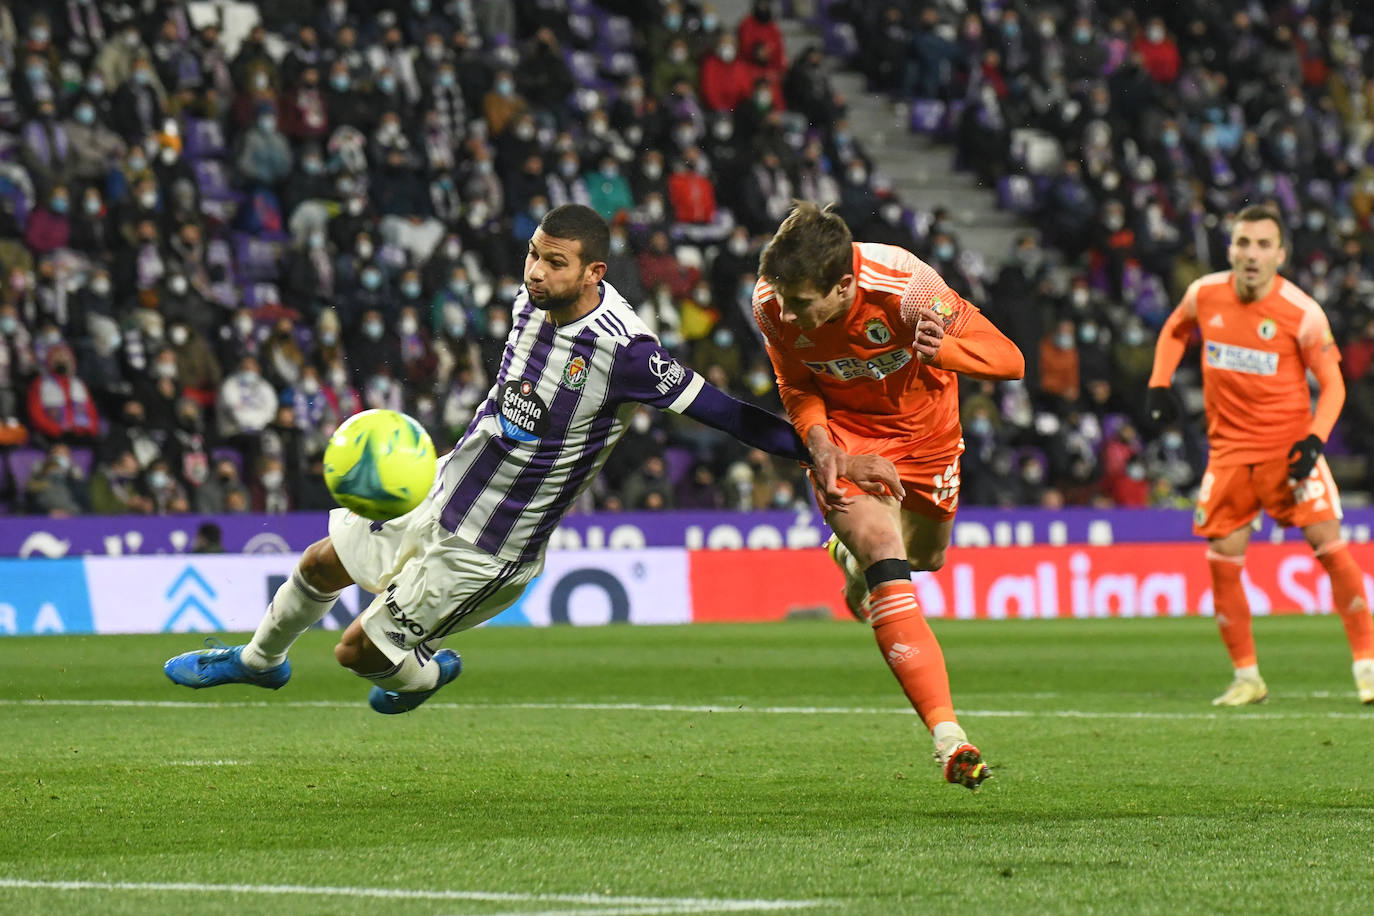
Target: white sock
[
  {"x": 410, "y": 676},
  {"x": 1363, "y": 668},
  {"x": 948, "y": 734},
  {"x": 1249, "y": 672},
  {"x": 295, "y": 608}
]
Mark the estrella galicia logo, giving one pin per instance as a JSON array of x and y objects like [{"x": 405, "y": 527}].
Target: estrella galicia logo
[{"x": 524, "y": 417}]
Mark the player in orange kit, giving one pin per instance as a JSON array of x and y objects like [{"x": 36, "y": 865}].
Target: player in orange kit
[
  {"x": 1260, "y": 335},
  {"x": 865, "y": 340}
]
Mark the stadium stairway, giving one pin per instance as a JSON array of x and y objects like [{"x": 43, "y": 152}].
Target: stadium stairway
[{"x": 920, "y": 170}]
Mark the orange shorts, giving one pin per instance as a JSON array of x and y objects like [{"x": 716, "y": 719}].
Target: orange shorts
[
  {"x": 931, "y": 482},
  {"x": 1231, "y": 497}
]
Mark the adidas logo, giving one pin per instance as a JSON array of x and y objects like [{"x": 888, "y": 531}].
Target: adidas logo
[
  {"x": 397, "y": 639},
  {"x": 900, "y": 652},
  {"x": 1216, "y": 322},
  {"x": 802, "y": 341}
]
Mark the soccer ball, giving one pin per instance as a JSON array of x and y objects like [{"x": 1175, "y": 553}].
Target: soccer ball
[{"x": 379, "y": 464}]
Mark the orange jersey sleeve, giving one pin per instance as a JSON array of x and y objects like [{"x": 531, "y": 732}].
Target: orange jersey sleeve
[
  {"x": 859, "y": 372},
  {"x": 1173, "y": 339},
  {"x": 1254, "y": 369}
]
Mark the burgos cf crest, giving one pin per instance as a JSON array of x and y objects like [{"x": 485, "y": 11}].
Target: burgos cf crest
[
  {"x": 876, "y": 331},
  {"x": 575, "y": 373}
]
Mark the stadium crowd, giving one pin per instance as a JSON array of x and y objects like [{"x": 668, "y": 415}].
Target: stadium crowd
[{"x": 220, "y": 236}]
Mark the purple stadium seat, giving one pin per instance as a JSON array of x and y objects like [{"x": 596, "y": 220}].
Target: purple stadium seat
[
  {"x": 213, "y": 180},
  {"x": 583, "y": 27},
  {"x": 84, "y": 459},
  {"x": 620, "y": 63},
  {"x": 259, "y": 294},
  {"x": 617, "y": 33},
  {"x": 23, "y": 462},
  {"x": 583, "y": 66},
  {"x": 840, "y": 40},
  {"x": 228, "y": 453},
  {"x": 927, "y": 115},
  {"x": 203, "y": 139},
  {"x": 1016, "y": 193},
  {"x": 257, "y": 258},
  {"x": 678, "y": 462}
]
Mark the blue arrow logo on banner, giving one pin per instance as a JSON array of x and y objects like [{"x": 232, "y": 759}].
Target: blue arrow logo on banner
[{"x": 191, "y": 614}]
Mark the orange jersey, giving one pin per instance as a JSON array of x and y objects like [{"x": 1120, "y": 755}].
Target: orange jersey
[
  {"x": 860, "y": 373},
  {"x": 1255, "y": 357}
]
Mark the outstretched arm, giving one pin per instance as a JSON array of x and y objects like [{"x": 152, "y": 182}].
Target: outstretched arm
[
  {"x": 749, "y": 424},
  {"x": 1173, "y": 339}
]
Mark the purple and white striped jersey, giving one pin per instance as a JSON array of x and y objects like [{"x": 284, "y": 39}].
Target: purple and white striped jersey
[{"x": 561, "y": 401}]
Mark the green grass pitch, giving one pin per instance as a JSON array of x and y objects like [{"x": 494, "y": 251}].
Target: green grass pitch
[{"x": 699, "y": 769}]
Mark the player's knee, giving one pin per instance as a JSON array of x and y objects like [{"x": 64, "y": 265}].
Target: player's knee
[
  {"x": 928, "y": 561},
  {"x": 322, "y": 569}
]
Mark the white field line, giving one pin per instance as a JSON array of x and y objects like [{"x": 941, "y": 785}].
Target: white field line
[
  {"x": 737, "y": 709},
  {"x": 606, "y": 904},
  {"x": 205, "y": 763}
]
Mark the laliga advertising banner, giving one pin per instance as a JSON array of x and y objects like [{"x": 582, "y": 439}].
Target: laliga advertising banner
[
  {"x": 171, "y": 593},
  {"x": 206, "y": 594},
  {"x": 1144, "y": 580}
]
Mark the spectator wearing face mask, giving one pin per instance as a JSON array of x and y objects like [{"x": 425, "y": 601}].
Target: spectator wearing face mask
[
  {"x": 56, "y": 489},
  {"x": 726, "y": 78},
  {"x": 264, "y": 156},
  {"x": 268, "y": 489},
  {"x": 247, "y": 403},
  {"x": 90, "y": 231},
  {"x": 1059, "y": 370},
  {"x": 371, "y": 346},
  {"x": 60, "y": 405},
  {"x": 115, "y": 488},
  {"x": 138, "y": 105},
  {"x": 167, "y": 494},
  {"x": 608, "y": 190},
  {"x": 93, "y": 144},
  {"x": 46, "y": 148},
  {"x": 315, "y": 408},
  {"x": 49, "y": 224},
  {"x": 419, "y": 364},
  {"x": 760, "y": 29},
  {"x": 503, "y": 103},
  {"x": 337, "y": 379}
]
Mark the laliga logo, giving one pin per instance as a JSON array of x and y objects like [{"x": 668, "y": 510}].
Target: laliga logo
[{"x": 44, "y": 544}]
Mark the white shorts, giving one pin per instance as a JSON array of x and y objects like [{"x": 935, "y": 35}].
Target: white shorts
[{"x": 428, "y": 582}]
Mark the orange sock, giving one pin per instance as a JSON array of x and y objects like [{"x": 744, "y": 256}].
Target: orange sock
[
  {"x": 1347, "y": 592},
  {"x": 911, "y": 650},
  {"x": 1232, "y": 608}
]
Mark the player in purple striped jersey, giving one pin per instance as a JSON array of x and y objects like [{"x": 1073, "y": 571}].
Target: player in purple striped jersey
[{"x": 577, "y": 363}]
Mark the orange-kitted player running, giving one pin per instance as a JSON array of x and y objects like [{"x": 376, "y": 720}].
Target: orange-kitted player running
[
  {"x": 865, "y": 341},
  {"x": 1260, "y": 335}
]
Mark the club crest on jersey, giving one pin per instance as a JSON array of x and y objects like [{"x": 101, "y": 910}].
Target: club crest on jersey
[
  {"x": 876, "y": 331},
  {"x": 667, "y": 370},
  {"x": 524, "y": 417},
  {"x": 1267, "y": 329},
  {"x": 575, "y": 373},
  {"x": 943, "y": 309}
]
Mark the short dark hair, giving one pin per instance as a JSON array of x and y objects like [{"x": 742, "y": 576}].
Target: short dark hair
[
  {"x": 1257, "y": 212},
  {"x": 813, "y": 246},
  {"x": 580, "y": 223}
]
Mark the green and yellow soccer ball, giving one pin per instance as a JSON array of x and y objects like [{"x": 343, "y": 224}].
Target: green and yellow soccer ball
[{"x": 379, "y": 464}]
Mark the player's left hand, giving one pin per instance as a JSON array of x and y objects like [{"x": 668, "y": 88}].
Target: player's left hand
[
  {"x": 874, "y": 474},
  {"x": 1302, "y": 457},
  {"x": 930, "y": 332}
]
